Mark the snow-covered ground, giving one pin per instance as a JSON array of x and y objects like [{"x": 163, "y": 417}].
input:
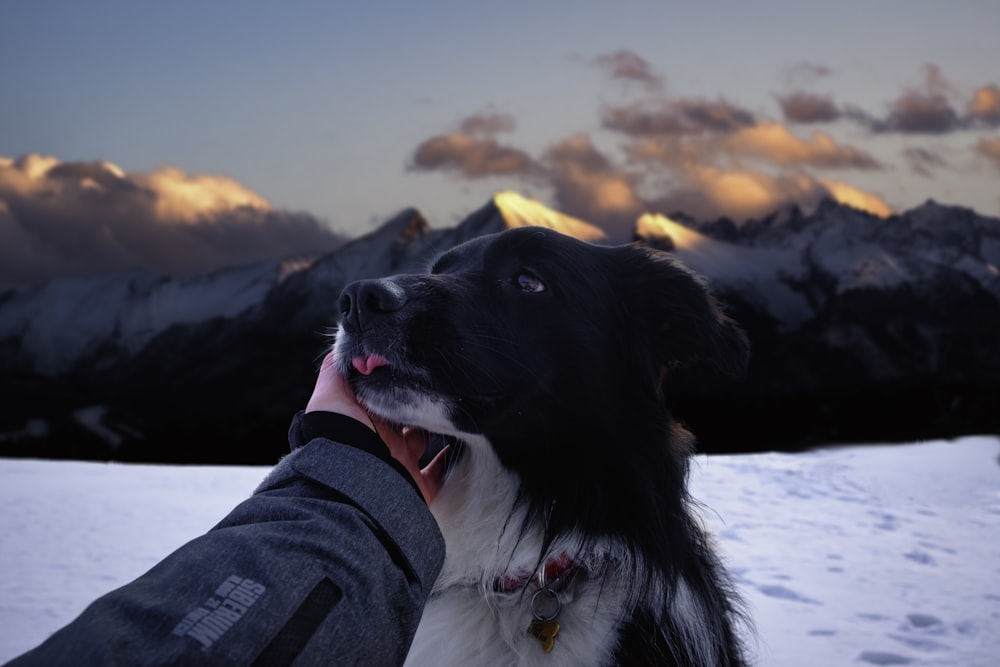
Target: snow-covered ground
[{"x": 881, "y": 555}]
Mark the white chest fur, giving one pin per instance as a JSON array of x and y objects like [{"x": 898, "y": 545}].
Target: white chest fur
[{"x": 467, "y": 622}]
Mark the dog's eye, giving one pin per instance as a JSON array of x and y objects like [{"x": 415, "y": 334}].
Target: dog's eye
[{"x": 529, "y": 282}]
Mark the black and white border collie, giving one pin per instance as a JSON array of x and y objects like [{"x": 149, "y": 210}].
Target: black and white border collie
[{"x": 570, "y": 534}]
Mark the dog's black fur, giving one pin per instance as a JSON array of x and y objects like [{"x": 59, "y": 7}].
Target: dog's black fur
[{"x": 560, "y": 352}]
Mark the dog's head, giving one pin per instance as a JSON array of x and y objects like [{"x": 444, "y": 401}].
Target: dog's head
[
  {"x": 556, "y": 353},
  {"x": 530, "y": 335}
]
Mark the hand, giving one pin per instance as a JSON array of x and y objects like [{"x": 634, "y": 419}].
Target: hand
[{"x": 334, "y": 394}]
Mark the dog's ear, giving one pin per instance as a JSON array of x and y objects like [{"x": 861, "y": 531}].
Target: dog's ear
[{"x": 687, "y": 325}]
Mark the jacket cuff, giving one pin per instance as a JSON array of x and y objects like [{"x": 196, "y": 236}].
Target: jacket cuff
[
  {"x": 307, "y": 426},
  {"x": 353, "y": 477}
]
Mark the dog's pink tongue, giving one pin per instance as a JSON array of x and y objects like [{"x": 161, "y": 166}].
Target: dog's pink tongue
[{"x": 365, "y": 365}]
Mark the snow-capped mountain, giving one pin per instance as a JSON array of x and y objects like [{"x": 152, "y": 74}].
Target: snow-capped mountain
[
  {"x": 793, "y": 266},
  {"x": 862, "y": 327},
  {"x": 854, "y": 320}
]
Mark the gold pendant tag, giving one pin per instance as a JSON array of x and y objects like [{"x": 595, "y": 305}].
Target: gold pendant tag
[{"x": 545, "y": 632}]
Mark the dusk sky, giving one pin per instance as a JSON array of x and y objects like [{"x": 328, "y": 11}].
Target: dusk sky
[{"x": 127, "y": 127}]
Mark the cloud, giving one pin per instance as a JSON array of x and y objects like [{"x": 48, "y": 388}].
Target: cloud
[
  {"x": 588, "y": 185},
  {"x": 931, "y": 108},
  {"x": 717, "y": 116},
  {"x": 769, "y": 142},
  {"x": 707, "y": 192},
  {"x": 704, "y": 157},
  {"x": 681, "y": 116},
  {"x": 487, "y": 123},
  {"x": 625, "y": 65},
  {"x": 774, "y": 143},
  {"x": 63, "y": 219},
  {"x": 917, "y": 112},
  {"x": 990, "y": 149},
  {"x": 802, "y": 107},
  {"x": 639, "y": 121},
  {"x": 984, "y": 108},
  {"x": 471, "y": 157},
  {"x": 697, "y": 173}
]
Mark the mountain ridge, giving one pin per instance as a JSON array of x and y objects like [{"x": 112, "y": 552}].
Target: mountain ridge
[{"x": 838, "y": 305}]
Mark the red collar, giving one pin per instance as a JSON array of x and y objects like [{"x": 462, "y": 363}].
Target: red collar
[{"x": 558, "y": 569}]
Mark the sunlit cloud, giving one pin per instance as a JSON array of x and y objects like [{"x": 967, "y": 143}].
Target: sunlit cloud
[
  {"x": 589, "y": 185},
  {"x": 767, "y": 142},
  {"x": 984, "y": 108},
  {"x": 690, "y": 185},
  {"x": 471, "y": 157},
  {"x": 189, "y": 198},
  {"x": 697, "y": 173},
  {"x": 708, "y": 192},
  {"x": 62, "y": 219},
  {"x": 774, "y": 143},
  {"x": 669, "y": 152},
  {"x": 747, "y": 194},
  {"x": 711, "y": 157},
  {"x": 624, "y": 65}
]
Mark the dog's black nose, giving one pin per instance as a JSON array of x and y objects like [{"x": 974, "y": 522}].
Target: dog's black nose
[{"x": 363, "y": 300}]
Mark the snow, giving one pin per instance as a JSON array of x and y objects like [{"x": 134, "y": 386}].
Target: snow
[
  {"x": 878, "y": 555},
  {"x": 758, "y": 273},
  {"x": 519, "y": 211},
  {"x": 866, "y": 555},
  {"x": 62, "y": 321}
]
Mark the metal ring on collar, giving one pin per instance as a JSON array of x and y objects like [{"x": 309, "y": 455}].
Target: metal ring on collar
[{"x": 545, "y": 605}]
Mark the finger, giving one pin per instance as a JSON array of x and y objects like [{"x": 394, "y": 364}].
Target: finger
[
  {"x": 415, "y": 441},
  {"x": 391, "y": 435},
  {"x": 333, "y": 393},
  {"x": 432, "y": 475},
  {"x": 407, "y": 445}
]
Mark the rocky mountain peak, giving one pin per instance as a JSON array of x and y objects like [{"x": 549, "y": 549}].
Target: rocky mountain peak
[{"x": 838, "y": 304}]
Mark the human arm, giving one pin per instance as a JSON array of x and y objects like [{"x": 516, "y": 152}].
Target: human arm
[{"x": 330, "y": 561}]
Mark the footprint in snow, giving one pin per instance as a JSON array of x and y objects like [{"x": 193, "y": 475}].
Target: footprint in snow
[
  {"x": 937, "y": 547},
  {"x": 873, "y": 617},
  {"x": 779, "y": 591},
  {"x": 920, "y": 643},
  {"x": 918, "y": 632},
  {"x": 884, "y": 658},
  {"x": 885, "y": 521},
  {"x": 921, "y": 557},
  {"x": 918, "y": 620}
]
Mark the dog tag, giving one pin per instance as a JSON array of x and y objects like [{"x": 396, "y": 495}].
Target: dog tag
[
  {"x": 545, "y": 632},
  {"x": 545, "y": 608}
]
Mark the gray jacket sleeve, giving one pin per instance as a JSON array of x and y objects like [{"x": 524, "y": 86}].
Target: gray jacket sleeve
[{"x": 329, "y": 562}]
